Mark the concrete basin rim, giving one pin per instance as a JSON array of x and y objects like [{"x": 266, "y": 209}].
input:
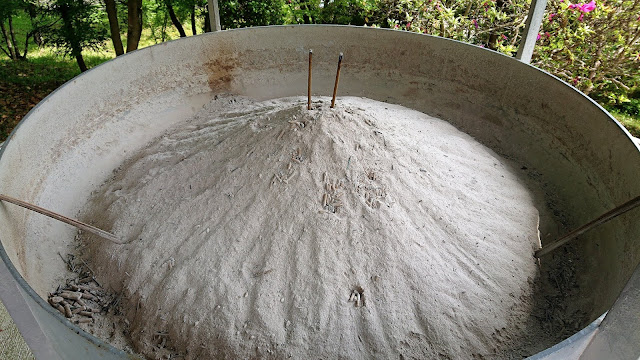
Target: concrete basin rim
[{"x": 98, "y": 342}]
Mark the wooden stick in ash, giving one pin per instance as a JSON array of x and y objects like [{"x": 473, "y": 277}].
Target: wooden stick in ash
[
  {"x": 80, "y": 225},
  {"x": 335, "y": 87},
  {"x": 590, "y": 225},
  {"x": 309, "y": 82}
]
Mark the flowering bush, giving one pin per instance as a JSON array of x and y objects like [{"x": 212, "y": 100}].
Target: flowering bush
[
  {"x": 489, "y": 23},
  {"x": 595, "y": 46}
]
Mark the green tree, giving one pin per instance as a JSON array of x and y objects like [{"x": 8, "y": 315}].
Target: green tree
[
  {"x": 174, "y": 19},
  {"x": 493, "y": 24},
  {"x": 10, "y": 9},
  {"x": 161, "y": 13},
  {"x": 114, "y": 26},
  {"x": 243, "y": 13},
  {"x": 39, "y": 21},
  {"x": 79, "y": 26},
  {"x": 348, "y": 12}
]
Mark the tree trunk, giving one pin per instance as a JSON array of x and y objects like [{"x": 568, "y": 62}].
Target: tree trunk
[
  {"x": 7, "y": 39},
  {"x": 5, "y": 51},
  {"x": 37, "y": 38},
  {"x": 134, "y": 29},
  {"x": 174, "y": 19},
  {"x": 76, "y": 49},
  {"x": 13, "y": 38},
  {"x": 26, "y": 45},
  {"x": 493, "y": 41},
  {"x": 14, "y": 44},
  {"x": 81, "y": 64},
  {"x": 194, "y": 30},
  {"x": 32, "y": 10},
  {"x": 164, "y": 27},
  {"x": 207, "y": 22},
  {"x": 114, "y": 28}
]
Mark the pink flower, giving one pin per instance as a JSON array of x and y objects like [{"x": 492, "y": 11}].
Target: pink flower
[
  {"x": 475, "y": 23},
  {"x": 584, "y": 8},
  {"x": 575, "y": 80},
  {"x": 588, "y": 7},
  {"x": 408, "y": 25},
  {"x": 581, "y": 17},
  {"x": 551, "y": 16},
  {"x": 546, "y": 33},
  {"x": 538, "y": 38},
  {"x": 504, "y": 37}
]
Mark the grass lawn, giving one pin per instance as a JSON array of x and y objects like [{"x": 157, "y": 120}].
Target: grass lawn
[
  {"x": 630, "y": 122},
  {"x": 24, "y": 83}
]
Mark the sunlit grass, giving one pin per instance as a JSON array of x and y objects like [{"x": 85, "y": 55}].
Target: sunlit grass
[{"x": 630, "y": 122}]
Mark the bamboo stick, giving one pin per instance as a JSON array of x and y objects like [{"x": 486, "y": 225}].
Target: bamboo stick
[
  {"x": 631, "y": 204},
  {"x": 80, "y": 225},
  {"x": 335, "y": 87},
  {"x": 309, "y": 82}
]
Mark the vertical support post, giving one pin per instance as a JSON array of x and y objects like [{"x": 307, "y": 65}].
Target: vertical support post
[
  {"x": 530, "y": 36},
  {"x": 214, "y": 15}
]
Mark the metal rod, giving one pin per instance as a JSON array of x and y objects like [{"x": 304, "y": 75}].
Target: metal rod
[
  {"x": 309, "y": 82},
  {"x": 530, "y": 35},
  {"x": 335, "y": 87},
  {"x": 80, "y": 225},
  {"x": 590, "y": 225}
]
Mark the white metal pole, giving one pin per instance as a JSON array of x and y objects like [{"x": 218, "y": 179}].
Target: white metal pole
[
  {"x": 530, "y": 36},
  {"x": 214, "y": 15}
]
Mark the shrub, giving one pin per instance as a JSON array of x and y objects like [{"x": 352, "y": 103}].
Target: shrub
[{"x": 594, "y": 46}]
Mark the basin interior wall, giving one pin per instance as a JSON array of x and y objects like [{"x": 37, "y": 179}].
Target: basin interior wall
[{"x": 72, "y": 141}]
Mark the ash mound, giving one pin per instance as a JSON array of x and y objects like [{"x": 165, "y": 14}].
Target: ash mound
[{"x": 262, "y": 229}]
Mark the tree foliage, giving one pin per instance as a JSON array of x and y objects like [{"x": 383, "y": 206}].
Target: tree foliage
[
  {"x": 346, "y": 12},
  {"x": 242, "y": 13},
  {"x": 158, "y": 17},
  {"x": 10, "y": 34},
  {"x": 79, "y": 25},
  {"x": 493, "y": 24}
]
